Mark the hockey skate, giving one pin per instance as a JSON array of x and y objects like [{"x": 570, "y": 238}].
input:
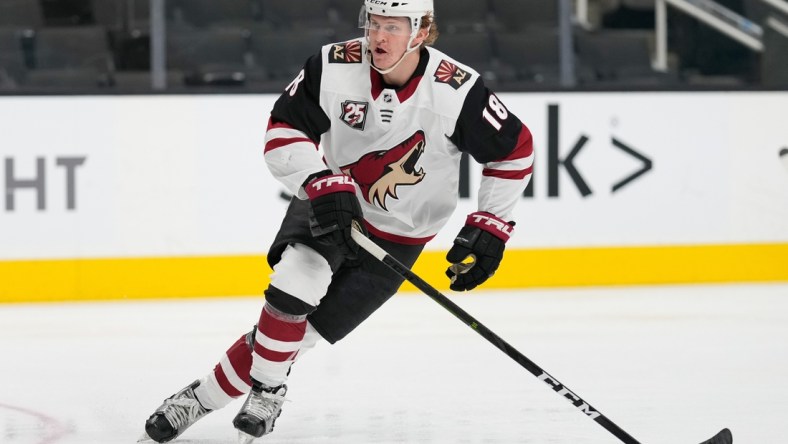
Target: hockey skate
[
  {"x": 175, "y": 415},
  {"x": 260, "y": 410}
]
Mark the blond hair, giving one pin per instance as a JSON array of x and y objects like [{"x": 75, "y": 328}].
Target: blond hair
[{"x": 432, "y": 35}]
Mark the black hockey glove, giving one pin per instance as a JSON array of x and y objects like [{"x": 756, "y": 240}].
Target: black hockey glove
[
  {"x": 333, "y": 208},
  {"x": 482, "y": 239}
]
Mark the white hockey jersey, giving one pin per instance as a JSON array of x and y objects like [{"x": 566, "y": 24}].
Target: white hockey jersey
[{"x": 402, "y": 145}]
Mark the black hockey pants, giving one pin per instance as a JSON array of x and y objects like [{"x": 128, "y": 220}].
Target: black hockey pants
[{"x": 358, "y": 287}]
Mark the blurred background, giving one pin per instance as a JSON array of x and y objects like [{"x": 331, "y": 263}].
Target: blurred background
[
  {"x": 257, "y": 46},
  {"x": 649, "y": 268}
]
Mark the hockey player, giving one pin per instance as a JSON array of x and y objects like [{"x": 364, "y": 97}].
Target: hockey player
[{"x": 393, "y": 117}]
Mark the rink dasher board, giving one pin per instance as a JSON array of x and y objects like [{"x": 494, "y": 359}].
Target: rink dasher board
[{"x": 99, "y": 191}]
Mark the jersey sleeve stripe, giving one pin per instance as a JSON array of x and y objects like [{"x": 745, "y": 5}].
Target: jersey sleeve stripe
[
  {"x": 275, "y": 125},
  {"x": 507, "y": 174},
  {"x": 512, "y": 164},
  {"x": 518, "y": 164},
  {"x": 524, "y": 147},
  {"x": 279, "y": 142}
]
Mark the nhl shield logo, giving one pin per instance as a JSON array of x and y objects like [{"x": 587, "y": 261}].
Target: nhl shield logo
[
  {"x": 354, "y": 114},
  {"x": 450, "y": 74}
]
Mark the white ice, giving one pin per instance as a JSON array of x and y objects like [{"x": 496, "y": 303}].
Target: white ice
[{"x": 669, "y": 364}]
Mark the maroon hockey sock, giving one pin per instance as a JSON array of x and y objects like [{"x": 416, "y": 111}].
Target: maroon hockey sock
[
  {"x": 277, "y": 342},
  {"x": 240, "y": 360}
]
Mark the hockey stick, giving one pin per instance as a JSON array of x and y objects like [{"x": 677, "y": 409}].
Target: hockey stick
[{"x": 723, "y": 437}]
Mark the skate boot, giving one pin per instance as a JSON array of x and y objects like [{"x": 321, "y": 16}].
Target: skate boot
[
  {"x": 175, "y": 415},
  {"x": 260, "y": 410}
]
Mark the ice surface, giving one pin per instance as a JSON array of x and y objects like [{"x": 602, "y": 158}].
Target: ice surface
[{"x": 667, "y": 364}]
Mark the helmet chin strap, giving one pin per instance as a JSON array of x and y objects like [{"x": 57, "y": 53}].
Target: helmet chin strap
[
  {"x": 407, "y": 51},
  {"x": 386, "y": 71}
]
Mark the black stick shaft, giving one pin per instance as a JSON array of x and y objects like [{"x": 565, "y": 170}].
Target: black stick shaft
[{"x": 493, "y": 338}]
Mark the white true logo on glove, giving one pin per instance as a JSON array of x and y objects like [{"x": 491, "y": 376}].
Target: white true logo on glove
[
  {"x": 332, "y": 181},
  {"x": 495, "y": 223}
]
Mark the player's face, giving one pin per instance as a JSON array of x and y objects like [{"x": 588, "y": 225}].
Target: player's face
[{"x": 388, "y": 39}]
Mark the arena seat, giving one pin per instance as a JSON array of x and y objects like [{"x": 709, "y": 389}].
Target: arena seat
[
  {"x": 282, "y": 53},
  {"x": 208, "y": 49},
  {"x": 213, "y": 13},
  {"x": 12, "y": 57},
  {"x": 21, "y": 13},
  {"x": 531, "y": 56},
  {"x": 525, "y": 15},
  {"x": 462, "y": 15},
  {"x": 77, "y": 47}
]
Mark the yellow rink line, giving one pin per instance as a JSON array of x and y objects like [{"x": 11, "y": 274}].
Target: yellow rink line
[{"x": 140, "y": 278}]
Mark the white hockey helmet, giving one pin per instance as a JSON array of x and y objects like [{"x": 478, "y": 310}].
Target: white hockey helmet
[{"x": 413, "y": 9}]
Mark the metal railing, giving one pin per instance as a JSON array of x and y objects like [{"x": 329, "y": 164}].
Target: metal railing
[
  {"x": 780, "y": 5},
  {"x": 713, "y": 14},
  {"x": 158, "y": 45}
]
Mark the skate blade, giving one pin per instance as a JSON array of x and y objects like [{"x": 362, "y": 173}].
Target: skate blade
[
  {"x": 145, "y": 439},
  {"x": 245, "y": 438}
]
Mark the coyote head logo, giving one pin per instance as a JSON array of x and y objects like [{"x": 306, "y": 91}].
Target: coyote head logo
[{"x": 379, "y": 173}]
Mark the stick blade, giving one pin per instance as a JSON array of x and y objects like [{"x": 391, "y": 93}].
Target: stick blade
[{"x": 724, "y": 437}]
